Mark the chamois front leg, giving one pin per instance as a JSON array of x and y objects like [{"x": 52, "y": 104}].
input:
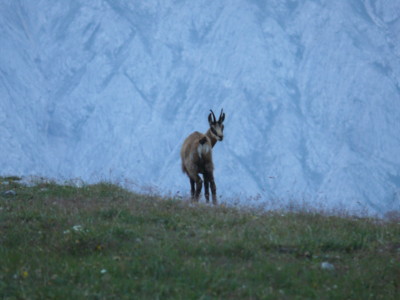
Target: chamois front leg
[
  {"x": 213, "y": 188},
  {"x": 192, "y": 187},
  {"x": 206, "y": 187}
]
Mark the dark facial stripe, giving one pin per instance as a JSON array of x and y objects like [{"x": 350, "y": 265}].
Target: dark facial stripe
[{"x": 215, "y": 133}]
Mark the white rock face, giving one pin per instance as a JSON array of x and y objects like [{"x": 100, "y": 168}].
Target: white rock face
[{"x": 108, "y": 90}]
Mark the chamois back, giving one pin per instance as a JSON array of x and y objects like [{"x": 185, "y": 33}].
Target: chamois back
[{"x": 196, "y": 154}]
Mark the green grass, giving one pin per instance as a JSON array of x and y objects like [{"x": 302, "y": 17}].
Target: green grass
[{"x": 103, "y": 242}]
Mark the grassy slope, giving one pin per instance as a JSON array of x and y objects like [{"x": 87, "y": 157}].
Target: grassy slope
[{"x": 130, "y": 246}]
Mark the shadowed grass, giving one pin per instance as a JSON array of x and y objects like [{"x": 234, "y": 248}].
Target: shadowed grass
[{"x": 103, "y": 242}]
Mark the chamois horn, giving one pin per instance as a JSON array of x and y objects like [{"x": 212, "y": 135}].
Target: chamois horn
[
  {"x": 221, "y": 117},
  {"x": 213, "y": 116}
]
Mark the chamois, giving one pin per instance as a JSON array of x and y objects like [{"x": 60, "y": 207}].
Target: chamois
[{"x": 196, "y": 155}]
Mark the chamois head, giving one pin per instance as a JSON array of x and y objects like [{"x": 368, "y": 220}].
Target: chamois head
[{"x": 217, "y": 127}]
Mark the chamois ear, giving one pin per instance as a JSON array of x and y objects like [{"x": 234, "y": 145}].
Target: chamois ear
[{"x": 221, "y": 117}]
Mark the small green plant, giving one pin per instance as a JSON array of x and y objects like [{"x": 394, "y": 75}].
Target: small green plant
[{"x": 103, "y": 242}]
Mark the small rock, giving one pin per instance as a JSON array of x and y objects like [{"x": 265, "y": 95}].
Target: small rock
[
  {"x": 77, "y": 228},
  {"x": 10, "y": 193},
  {"x": 327, "y": 266}
]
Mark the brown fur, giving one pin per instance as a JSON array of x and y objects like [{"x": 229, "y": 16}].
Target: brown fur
[
  {"x": 192, "y": 163},
  {"x": 196, "y": 155}
]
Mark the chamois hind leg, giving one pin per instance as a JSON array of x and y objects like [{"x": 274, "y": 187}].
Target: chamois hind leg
[
  {"x": 206, "y": 188},
  {"x": 198, "y": 183}
]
